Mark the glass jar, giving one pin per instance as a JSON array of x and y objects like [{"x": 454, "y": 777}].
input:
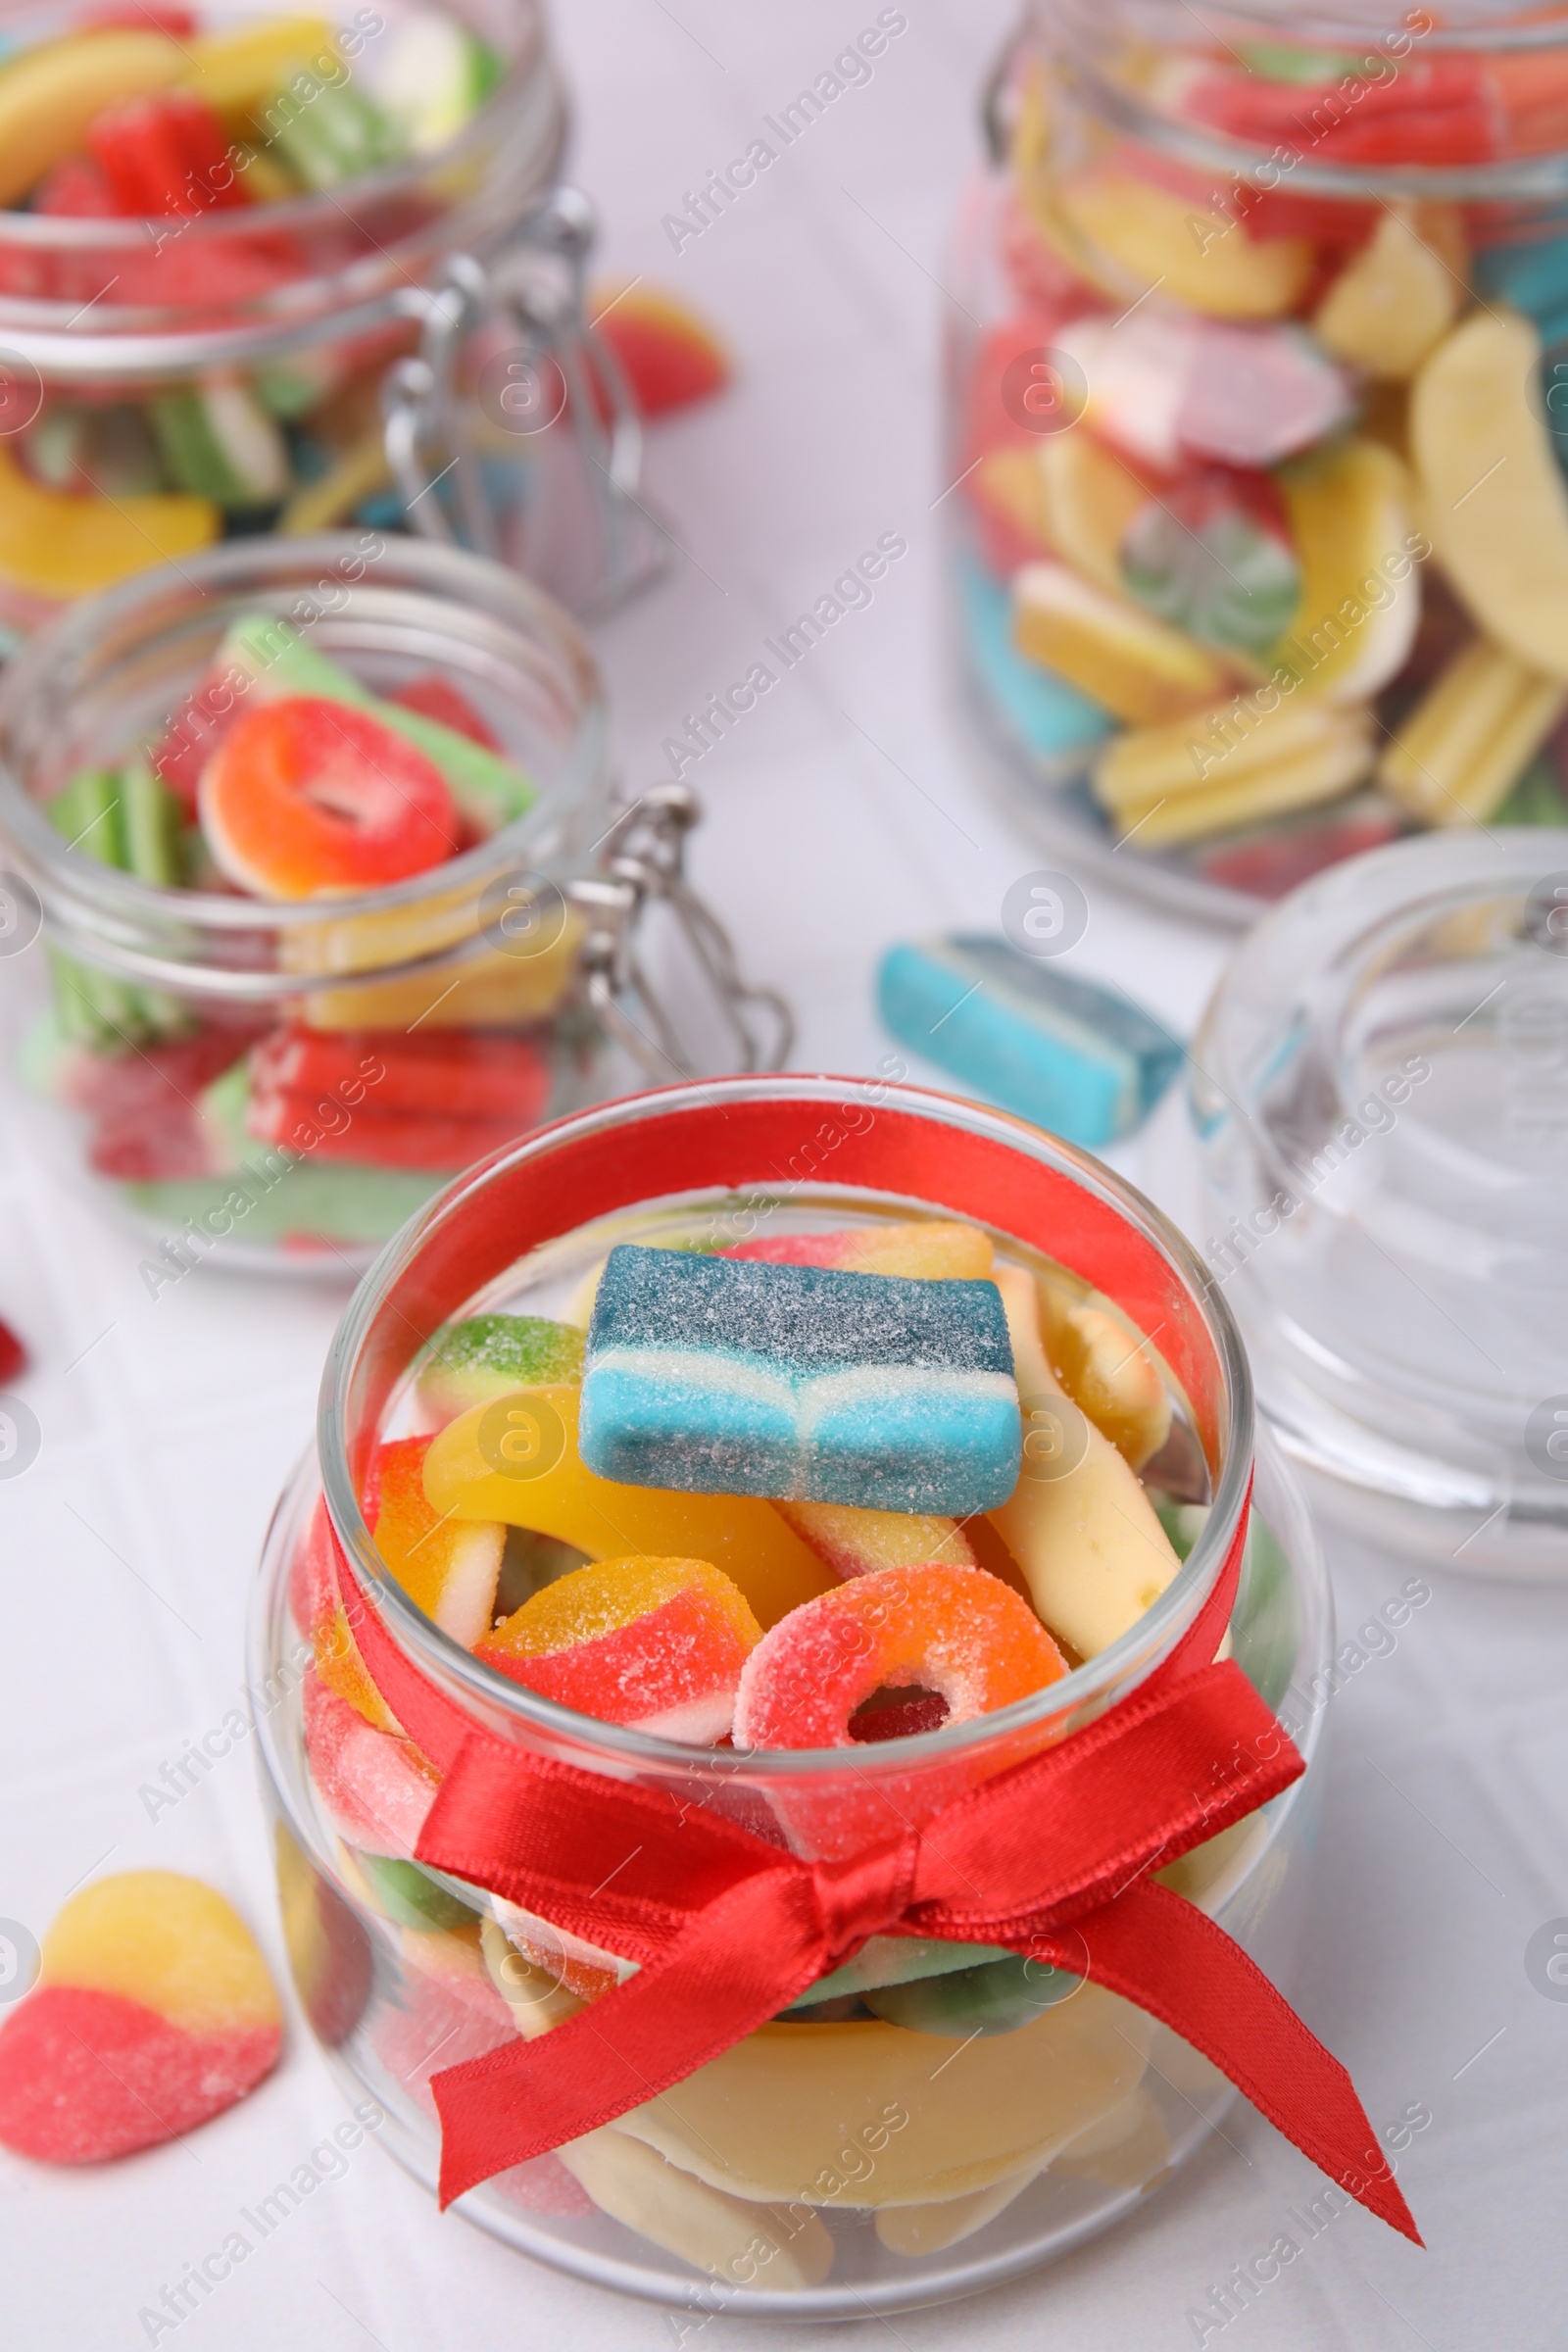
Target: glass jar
[
  {"x": 1251, "y": 324},
  {"x": 287, "y": 1081},
  {"x": 1066, "y": 2124},
  {"x": 1379, "y": 1095},
  {"x": 167, "y": 380}
]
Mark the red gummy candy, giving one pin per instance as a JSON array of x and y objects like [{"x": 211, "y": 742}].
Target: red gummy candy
[
  {"x": 166, "y": 154},
  {"x": 13, "y": 1354},
  {"x": 1271, "y": 868},
  {"x": 456, "y": 1073},
  {"x": 86, "y": 2076},
  {"x": 668, "y": 357},
  {"x": 75, "y": 189}
]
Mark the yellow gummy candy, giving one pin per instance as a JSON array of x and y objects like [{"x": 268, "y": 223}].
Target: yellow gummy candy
[
  {"x": 49, "y": 94},
  {"x": 54, "y": 543},
  {"x": 168, "y": 1942},
  {"x": 240, "y": 72},
  {"x": 516, "y": 1460}
]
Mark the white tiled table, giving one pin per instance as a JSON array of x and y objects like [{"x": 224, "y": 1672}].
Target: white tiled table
[{"x": 839, "y": 816}]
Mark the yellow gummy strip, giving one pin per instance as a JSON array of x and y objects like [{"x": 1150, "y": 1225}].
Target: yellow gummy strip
[
  {"x": 49, "y": 95},
  {"x": 1460, "y": 749},
  {"x": 235, "y": 71},
  {"x": 168, "y": 1942},
  {"x": 739, "y": 1534},
  {"x": 1297, "y": 783},
  {"x": 1187, "y": 753},
  {"x": 58, "y": 544}
]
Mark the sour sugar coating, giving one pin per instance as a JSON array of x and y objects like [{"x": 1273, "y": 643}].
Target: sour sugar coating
[
  {"x": 474, "y": 1361},
  {"x": 657, "y": 1644},
  {"x": 716, "y": 1376},
  {"x": 153, "y": 2011},
  {"x": 959, "y": 1632},
  {"x": 854, "y": 1542},
  {"x": 376, "y": 1788},
  {"x": 307, "y": 799},
  {"x": 936, "y": 1251},
  {"x": 1076, "y": 1057},
  {"x": 447, "y": 1567}
]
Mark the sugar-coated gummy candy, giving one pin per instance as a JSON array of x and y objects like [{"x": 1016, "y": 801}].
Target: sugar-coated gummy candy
[
  {"x": 1072, "y": 1055},
  {"x": 657, "y": 1644},
  {"x": 720, "y": 1376},
  {"x": 668, "y": 356},
  {"x": 481, "y": 1359},
  {"x": 1250, "y": 766},
  {"x": 13, "y": 1354},
  {"x": 1092, "y": 1550},
  {"x": 1114, "y": 1377},
  {"x": 854, "y": 1542},
  {"x": 1454, "y": 759},
  {"x": 411, "y": 1896},
  {"x": 307, "y": 799},
  {"x": 1054, "y": 721},
  {"x": 316, "y": 1607},
  {"x": 470, "y": 1473},
  {"x": 1134, "y": 665},
  {"x": 958, "y": 1632},
  {"x": 996, "y": 1996},
  {"x": 152, "y": 2011},
  {"x": 938, "y": 1249},
  {"x": 376, "y": 1788},
  {"x": 447, "y": 1567}
]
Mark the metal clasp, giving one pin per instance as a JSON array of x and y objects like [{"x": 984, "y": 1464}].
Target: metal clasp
[
  {"x": 643, "y": 864},
  {"x": 578, "y": 525}
]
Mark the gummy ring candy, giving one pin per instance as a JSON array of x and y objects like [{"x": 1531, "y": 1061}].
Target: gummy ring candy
[
  {"x": 306, "y": 798},
  {"x": 957, "y": 1631}
]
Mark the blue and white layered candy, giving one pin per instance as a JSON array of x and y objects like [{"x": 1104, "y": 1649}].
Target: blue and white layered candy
[{"x": 726, "y": 1376}]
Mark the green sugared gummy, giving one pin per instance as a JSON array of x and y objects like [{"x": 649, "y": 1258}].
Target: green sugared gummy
[
  {"x": 488, "y": 1355},
  {"x": 117, "y": 818},
  {"x": 997, "y": 1998},
  {"x": 411, "y": 1897}
]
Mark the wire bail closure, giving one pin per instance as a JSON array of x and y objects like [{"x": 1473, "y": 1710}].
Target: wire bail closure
[
  {"x": 643, "y": 863},
  {"x": 555, "y": 371}
]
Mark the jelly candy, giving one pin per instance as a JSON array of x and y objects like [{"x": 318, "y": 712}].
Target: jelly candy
[
  {"x": 1132, "y": 236},
  {"x": 1212, "y": 557},
  {"x": 50, "y": 94},
  {"x": 1231, "y": 767},
  {"x": 1391, "y": 303},
  {"x": 703, "y": 2225},
  {"x": 668, "y": 356},
  {"x": 517, "y": 1459},
  {"x": 715, "y": 1376},
  {"x": 656, "y": 1644},
  {"x": 1079, "y": 1524},
  {"x": 1007, "y": 498},
  {"x": 329, "y": 131},
  {"x": 318, "y": 1608},
  {"x": 954, "y": 1630},
  {"x": 1053, "y": 721},
  {"x": 409, "y": 1896},
  {"x": 13, "y": 1355},
  {"x": 219, "y": 442},
  {"x": 435, "y": 696},
  {"x": 854, "y": 1543},
  {"x": 1090, "y": 498},
  {"x": 1536, "y": 800},
  {"x": 1122, "y": 657},
  {"x": 1160, "y": 386},
  {"x": 164, "y": 155},
  {"x": 1454, "y": 759},
  {"x": 499, "y": 1080},
  {"x": 313, "y": 799},
  {"x": 432, "y": 74},
  {"x": 1063, "y": 1051},
  {"x": 279, "y": 664},
  {"x": 152, "y": 2012},
  {"x": 54, "y": 545},
  {"x": 935, "y": 1250},
  {"x": 1272, "y": 865},
  {"x": 447, "y": 1567},
  {"x": 376, "y": 1788},
  {"x": 996, "y": 1996},
  {"x": 1351, "y": 515},
  {"x": 1495, "y": 501},
  {"x": 1112, "y": 1376},
  {"x": 237, "y": 72},
  {"x": 474, "y": 1361}
]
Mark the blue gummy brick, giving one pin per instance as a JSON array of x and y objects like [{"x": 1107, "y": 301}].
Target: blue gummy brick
[
  {"x": 1533, "y": 278},
  {"x": 1049, "y": 716},
  {"x": 724, "y": 1376},
  {"x": 1064, "y": 1052}
]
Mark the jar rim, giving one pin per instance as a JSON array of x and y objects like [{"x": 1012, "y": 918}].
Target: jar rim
[
  {"x": 1128, "y": 1660},
  {"x": 522, "y": 123},
  {"x": 448, "y": 575}
]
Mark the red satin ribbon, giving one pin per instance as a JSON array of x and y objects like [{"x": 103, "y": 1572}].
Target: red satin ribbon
[{"x": 1049, "y": 1857}]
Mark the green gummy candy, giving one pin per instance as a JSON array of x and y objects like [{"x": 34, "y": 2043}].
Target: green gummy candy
[
  {"x": 488, "y": 1355},
  {"x": 329, "y": 133},
  {"x": 117, "y": 818},
  {"x": 278, "y": 661},
  {"x": 1536, "y": 800},
  {"x": 998, "y": 1997},
  {"x": 219, "y": 442},
  {"x": 1265, "y": 1624},
  {"x": 1223, "y": 580},
  {"x": 409, "y": 1896}
]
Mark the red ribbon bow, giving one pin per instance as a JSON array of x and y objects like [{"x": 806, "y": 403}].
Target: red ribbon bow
[{"x": 1050, "y": 1857}]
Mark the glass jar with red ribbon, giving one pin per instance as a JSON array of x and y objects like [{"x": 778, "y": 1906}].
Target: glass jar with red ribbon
[
  {"x": 314, "y": 891},
  {"x": 286, "y": 269},
  {"x": 805, "y": 2030},
  {"x": 1258, "y": 356}
]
